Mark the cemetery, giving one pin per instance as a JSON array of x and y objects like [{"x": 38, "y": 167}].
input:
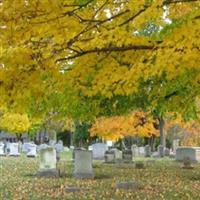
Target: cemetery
[{"x": 100, "y": 100}]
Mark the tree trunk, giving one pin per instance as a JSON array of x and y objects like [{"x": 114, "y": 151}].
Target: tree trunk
[{"x": 162, "y": 133}]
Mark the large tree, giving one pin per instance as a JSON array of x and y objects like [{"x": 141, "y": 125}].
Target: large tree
[{"x": 100, "y": 54}]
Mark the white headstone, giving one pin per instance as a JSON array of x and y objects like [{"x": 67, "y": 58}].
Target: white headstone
[
  {"x": 135, "y": 150},
  {"x": 2, "y": 153},
  {"x": 47, "y": 167},
  {"x": 99, "y": 150},
  {"x": 90, "y": 148},
  {"x": 59, "y": 147},
  {"x": 83, "y": 164},
  {"x": 141, "y": 151},
  {"x": 109, "y": 143},
  {"x": 14, "y": 149},
  {"x": 32, "y": 150}
]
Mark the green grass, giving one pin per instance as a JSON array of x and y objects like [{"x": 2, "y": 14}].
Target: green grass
[{"x": 164, "y": 179}]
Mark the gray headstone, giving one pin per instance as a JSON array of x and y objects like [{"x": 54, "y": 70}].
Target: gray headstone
[
  {"x": 192, "y": 153},
  {"x": 167, "y": 152},
  {"x": 99, "y": 150},
  {"x": 83, "y": 164},
  {"x": 128, "y": 185},
  {"x": 147, "y": 151},
  {"x": 161, "y": 151},
  {"x": 109, "y": 156},
  {"x": 127, "y": 155}
]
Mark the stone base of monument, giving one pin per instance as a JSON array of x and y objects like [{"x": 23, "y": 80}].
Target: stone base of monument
[
  {"x": 83, "y": 176},
  {"x": 48, "y": 173}
]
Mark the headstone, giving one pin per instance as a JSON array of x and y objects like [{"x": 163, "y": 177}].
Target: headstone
[
  {"x": 20, "y": 146},
  {"x": 52, "y": 143},
  {"x": 128, "y": 185},
  {"x": 2, "y": 153},
  {"x": 89, "y": 148},
  {"x": 47, "y": 155},
  {"x": 7, "y": 147},
  {"x": 32, "y": 150},
  {"x": 192, "y": 153},
  {"x": 59, "y": 147},
  {"x": 127, "y": 156},
  {"x": 118, "y": 153},
  {"x": 161, "y": 151},
  {"x": 14, "y": 149},
  {"x": 187, "y": 163},
  {"x": 66, "y": 149},
  {"x": 175, "y": 144},
  {"x": 141, "y": 151},
  {"x": 147, "y": 151},
  {"x": 109, "y": 156},
  {"x": 25, "y": 147},
  {"x": 167, "y": 152},
  {"x": 109, "y": 143},
  {"x": 135, "y": 150},
  {"x": 139, "y": 165},
  {"x": 83, "y": 164},
  {"x": 99, "y": 150}
]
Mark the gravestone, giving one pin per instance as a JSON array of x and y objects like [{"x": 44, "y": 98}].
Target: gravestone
[
  {"x": 135, "y": 150},
  {"x": 139, "y": 165},
  {"x": 2, "y": 153},
  {"x": 187, "y": 163},
  {"x": 175, "y": 144},
  {"x": 161, "y": 152},
  {"x": 32, "y": 150},
  {"x": 83, "y": 164},
  {"x": 147, "y": 152},
  {"x": 167, "y": 152},
  {"x": 47, "y": 159},
  {"x": 59, "y": 147},
  {"x": 89, "y": 148},
  {"x": 192, "y": 153},
  {"x": 110, "y": 156},
  {"x": 98, "y": 150},
  {"x": 141, "y": 151},
  {"x": 25, "y": 147},
  {"x": 118, "y": 153},
  {"x": 128, "y": 185},
  {"x": 14, "y": 149},
  {"x": 127, "y": 155},
  {"x": 20, "y": 146}
]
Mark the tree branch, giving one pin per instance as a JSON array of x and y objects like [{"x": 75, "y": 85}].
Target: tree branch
[{"x": 108, "y": 49}]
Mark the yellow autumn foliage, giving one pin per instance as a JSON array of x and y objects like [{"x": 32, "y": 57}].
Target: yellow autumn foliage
[
  {"x": 134, "y": 124},
  {"x": 14, "y": 122}
]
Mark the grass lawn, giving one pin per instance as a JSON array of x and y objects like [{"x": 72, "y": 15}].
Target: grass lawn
[{"x": 165, "y": 179}]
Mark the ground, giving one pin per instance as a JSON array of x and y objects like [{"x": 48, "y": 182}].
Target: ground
[{"x": 164, "y": 179}]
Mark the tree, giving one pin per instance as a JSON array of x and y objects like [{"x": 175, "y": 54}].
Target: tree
[
  {"x": 15, "y": 123},
  {"x": 101, "y": 51},
  {"x": 136, "y": 123}
]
